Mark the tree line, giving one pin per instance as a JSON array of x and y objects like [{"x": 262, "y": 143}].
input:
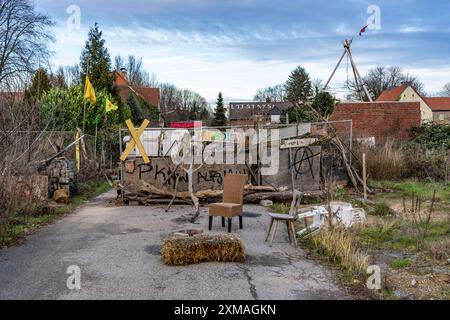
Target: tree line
[
  {"x": 53, "y": 99},
  {"x": 312, "y": 103}
]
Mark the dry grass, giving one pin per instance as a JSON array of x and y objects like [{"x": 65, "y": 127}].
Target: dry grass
[
  {"x": 439, "y": 250},
  {"x": 342, "y": 247},
  {"x": 178, "y": 251},
  {"x": 384, "y": 162},
  {"x": 394, "y": 160}
]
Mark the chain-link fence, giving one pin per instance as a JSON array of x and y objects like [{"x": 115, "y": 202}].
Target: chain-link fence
[{"x": 27, "y": 152}]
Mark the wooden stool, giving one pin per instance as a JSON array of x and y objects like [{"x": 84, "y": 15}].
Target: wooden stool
[{"x": 289, "y": 224}]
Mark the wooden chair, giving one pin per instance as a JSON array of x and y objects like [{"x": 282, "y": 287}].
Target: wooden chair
[
  {"x": 288, "y": 218},
  {"x": 233, "y": 201}
]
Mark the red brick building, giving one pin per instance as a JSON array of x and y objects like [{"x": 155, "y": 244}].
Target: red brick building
[
  {"x": 436, "y": 109},
  {"x": 379, "y": 120}
]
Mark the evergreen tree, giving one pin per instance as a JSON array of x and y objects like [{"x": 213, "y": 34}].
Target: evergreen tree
[
  {"x": 298, "y": 86},
  {"x": 324, "y": 103},
  {"x": 220, "y": 118},
  {"x": 147, "y": 111},
  {"x": 96, "y": 61},
  {"x": 136, "y": 113},
  {"x": 40, "y": 84}
]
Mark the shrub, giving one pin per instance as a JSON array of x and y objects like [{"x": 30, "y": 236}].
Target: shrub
[
  {"x": 426, "y": 163},
  {"x": 432, "y": 135}
]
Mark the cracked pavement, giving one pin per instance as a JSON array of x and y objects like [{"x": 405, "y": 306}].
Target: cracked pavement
[{"x": 117, "y": 249}]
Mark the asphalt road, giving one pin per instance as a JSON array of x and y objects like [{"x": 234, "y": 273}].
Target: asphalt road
[{"x": 117, "y": 251}]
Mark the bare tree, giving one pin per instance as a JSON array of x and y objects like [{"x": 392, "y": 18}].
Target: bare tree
[
  {"x": 72, "y": 75},
  {"x": 24, "y": 38},
  {"x": 181, "y": 104},
  {"x": 445, "y": 92},
  {"x": 136, "y": 74},
  {"x": 276, "y": 93},
  {"x": 119, "y": 63},
  {"x": 58, "y": 78},
  {"x": 382, "y": 78}
]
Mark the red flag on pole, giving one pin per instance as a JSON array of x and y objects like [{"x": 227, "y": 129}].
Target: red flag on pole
[{"x": 363, "y": 30}]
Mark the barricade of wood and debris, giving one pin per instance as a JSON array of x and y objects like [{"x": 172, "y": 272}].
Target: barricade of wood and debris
[{"x": 308, "y": 153}]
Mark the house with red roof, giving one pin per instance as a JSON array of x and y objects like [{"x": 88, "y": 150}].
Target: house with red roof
[
  {"x": 151, "y": 95},
  {"x": 435, "y": 109}
]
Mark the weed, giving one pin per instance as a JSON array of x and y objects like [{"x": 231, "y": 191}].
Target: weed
[
  {"x": 401, "y": 264},
  {"x": 340, "y": 247}
]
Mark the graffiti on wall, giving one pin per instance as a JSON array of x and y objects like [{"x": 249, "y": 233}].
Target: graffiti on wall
[
  {"x": 162, "y": 174},
  {"x": 304, "y": 161}
]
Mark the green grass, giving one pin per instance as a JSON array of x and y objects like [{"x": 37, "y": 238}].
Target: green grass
[
  {"x": 382, "y": 209},
  {"x": 401, "y": 264},
  {"x": 18, "y": 227},
  {"x": 424, "y": 189},
  {"x": 399, "y": 235},
  {"x": 439, "y": 229}
]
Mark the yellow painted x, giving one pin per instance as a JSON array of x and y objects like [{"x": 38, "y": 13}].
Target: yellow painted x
[{"x": 136, "y": 140}]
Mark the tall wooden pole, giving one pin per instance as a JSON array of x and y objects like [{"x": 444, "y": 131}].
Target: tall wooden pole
[
  {"x": 364, "y": 177},
  {"x": 95, "y": 140},
  {"x": 335, "y": 69},
  {"x": 84, "y": 115},
  {"x": 360, "y": 85},
  {"x": 358, "y": 75}
]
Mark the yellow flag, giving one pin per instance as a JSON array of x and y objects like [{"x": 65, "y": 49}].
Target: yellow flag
[
  {"x": 109, "y": 106},
  {"x": 89, "y": 92}
]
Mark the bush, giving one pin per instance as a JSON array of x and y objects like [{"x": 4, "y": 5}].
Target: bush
[
  {"x": 432, "y": 136},
  {"x": 426, "y": 163}
]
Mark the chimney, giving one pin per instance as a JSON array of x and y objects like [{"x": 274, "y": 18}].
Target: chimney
[{"x": 123, "y": 72}]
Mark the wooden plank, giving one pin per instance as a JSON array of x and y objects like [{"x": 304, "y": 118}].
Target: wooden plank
[
  {"x": 136, "y": 140},
  {"x": 297, "y": 143}
]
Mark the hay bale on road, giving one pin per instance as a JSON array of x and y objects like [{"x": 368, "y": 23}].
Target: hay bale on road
[
  {"x": 179, "y": 251},
  {"x": 61, "y": 196}
]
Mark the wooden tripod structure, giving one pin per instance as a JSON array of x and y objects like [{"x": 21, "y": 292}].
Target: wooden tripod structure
[{"x": 360, "y": 85}]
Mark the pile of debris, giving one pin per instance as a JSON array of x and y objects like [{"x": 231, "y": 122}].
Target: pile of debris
[
  {"x": 149, "y": 194},
  {"x": 61, "y": 174}
]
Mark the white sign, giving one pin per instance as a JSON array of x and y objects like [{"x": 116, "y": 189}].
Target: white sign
[{"x": 297, "y": 143}]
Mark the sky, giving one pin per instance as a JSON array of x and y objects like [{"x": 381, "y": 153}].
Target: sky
[{"x": 238, "y": 46}]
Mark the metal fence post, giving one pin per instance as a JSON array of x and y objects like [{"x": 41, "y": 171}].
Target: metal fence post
[{"x": 121, "y": 166}]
